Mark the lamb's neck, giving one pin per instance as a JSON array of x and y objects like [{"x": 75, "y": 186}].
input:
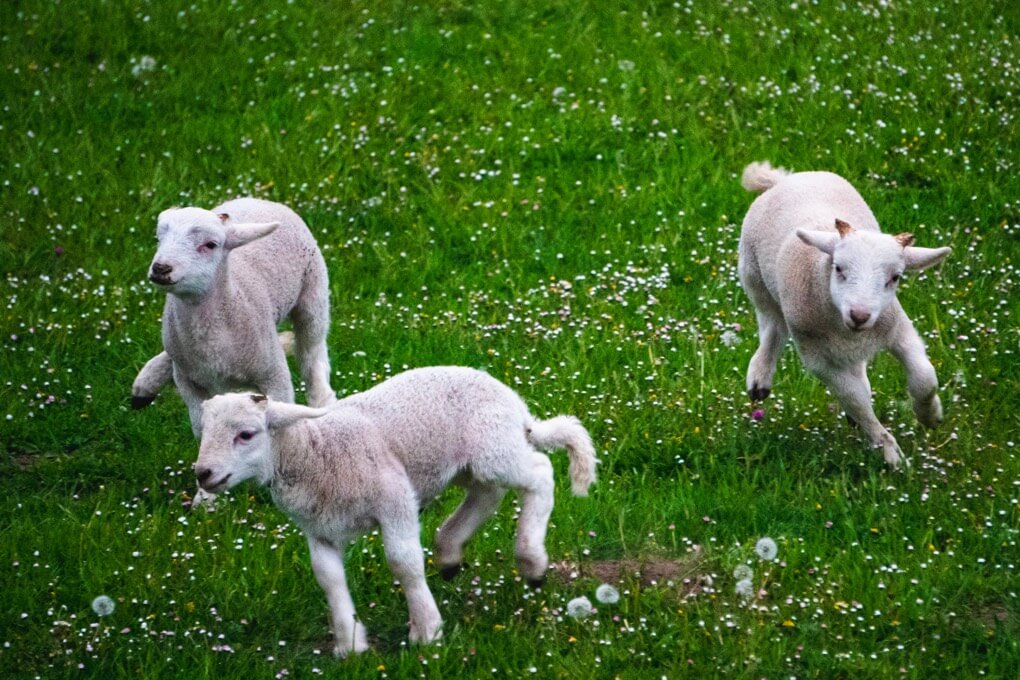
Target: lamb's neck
[
  {"x": 217, "y": 297},
  {"x": 291, "y": 446}
]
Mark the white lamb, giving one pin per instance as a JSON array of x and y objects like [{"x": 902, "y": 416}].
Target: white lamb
[
  {"x": 233, "y": 273},
  {"x": 376, "y": 458},
  {"x": 817, "y": 267}
]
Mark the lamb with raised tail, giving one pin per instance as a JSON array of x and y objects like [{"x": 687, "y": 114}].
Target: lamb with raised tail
[
  {"x": 232, "y": 274},
  {"x": 818, "y": 269},
  {"x": 376, "y": 458}
]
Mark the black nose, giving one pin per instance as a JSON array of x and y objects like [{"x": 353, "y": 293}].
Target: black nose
[
  {"x": 203, "y": 475},
  {"x": 160, "y": 269}
]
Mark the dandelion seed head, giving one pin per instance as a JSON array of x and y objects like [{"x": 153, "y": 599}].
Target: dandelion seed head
[
  {"x": 579, "y": 607},
  {"x": 743, "y": 572},
  {"x": 766, "y": 548},
  {"x": 607, "y": 594},
  {"x": 103, "y": 605}
]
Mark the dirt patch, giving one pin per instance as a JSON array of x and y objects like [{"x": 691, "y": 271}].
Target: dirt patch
[{"x": 684, "y": 574}]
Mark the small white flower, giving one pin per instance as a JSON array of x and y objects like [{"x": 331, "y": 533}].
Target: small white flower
[
  {"x": 743, "y": 573},
  {"x": 766, "y": 548},
  {"x": 607, "y": 594},
  {"x": 744, "y": 589},
  {"x": 729, "y": 338},
  {"x": 625, "y": 65},
  {"x": 558, "y": 92},
  {"x": 579, "y": 607},
  {"x": 102, "y": 605},
  {"x": 143, "y": 65}
]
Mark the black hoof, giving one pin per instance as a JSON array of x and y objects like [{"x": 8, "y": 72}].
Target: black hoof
[
  {"x": 141, "y": 402},
  {"x": 536, "y": 583},
  {"x": 759, "y": 393},
  {"x": 448, "y": 573}
]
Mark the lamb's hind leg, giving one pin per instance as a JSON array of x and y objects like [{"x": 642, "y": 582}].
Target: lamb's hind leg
[
  {"x": 531, "y": 475},
  {"x": 772, "y": 336},
  {"x": 311, "y": 325},
  {"x": 481, "y": 502}
]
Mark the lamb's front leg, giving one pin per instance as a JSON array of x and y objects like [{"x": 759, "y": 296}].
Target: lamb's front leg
[
  {"x": 772, "y": 335},
  {"x": 154, "y": 376},
  {"x": 402, "y": 542},
  {"x": 850, "y": 385},
  {"x": 922, "y": 383},
  {"x": 328, "y": 564}
]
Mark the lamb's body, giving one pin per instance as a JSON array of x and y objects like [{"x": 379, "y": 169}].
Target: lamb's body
[
  {"x": 223, "y": 336},
  {"x": 375, "y": 458},
  {"x": 839, "y": 315},
  {"x": 783, "y": 274}
]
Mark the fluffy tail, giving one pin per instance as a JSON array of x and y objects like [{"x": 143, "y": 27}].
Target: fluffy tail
[
  {"x": 759, "y": 177},
  {"x": 568, "y": 432}
]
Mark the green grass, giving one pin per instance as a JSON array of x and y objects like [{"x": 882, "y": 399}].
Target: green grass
[{"x": 547, "y": 191}]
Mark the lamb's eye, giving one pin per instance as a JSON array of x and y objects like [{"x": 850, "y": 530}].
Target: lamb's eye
[
  {"x": 211, "y": 245},
  {"x": 894, "y": 280},
  {"x": 245, "y": 436},
  {"x": 839, "y": 270}
]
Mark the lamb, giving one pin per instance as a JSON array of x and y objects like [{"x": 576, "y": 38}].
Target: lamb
[
  {"x": 233, "y": 273},
  {"x": 817, "y": 267},
  {"x": 375, "y": 458}
]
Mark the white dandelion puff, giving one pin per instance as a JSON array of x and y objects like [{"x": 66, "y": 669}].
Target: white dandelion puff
[
  {"x": 143, "y": 65},
  {"x": 729, "y": 338},
  {"x": 766, "y": 548},
  {"x": 743, "y": 573},
  {"x": 103, "y": 605},
  {"x": 744, "y": 589},
  {"x": 579, "y": 607},
  {"x": 607, "y": 594}
]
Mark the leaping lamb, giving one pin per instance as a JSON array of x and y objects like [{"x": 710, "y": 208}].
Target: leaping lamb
[
  {"x": 232, "y": 274},
  {"x": 818, "y": 269},
  {"x": 376, "y": 458}
]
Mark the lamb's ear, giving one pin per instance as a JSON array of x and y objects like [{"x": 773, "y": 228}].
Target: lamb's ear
[
  {"x": 240, "y": 234},
  {"x": 825, "y": 241},
  {"x": 921, "y": 258},
  {"x": 279, "y": 414}
]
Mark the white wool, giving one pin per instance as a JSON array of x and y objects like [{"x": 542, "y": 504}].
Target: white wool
[
  {"x": 232, "y": 274},
  {"x": 818, "y": 269},
  {"x": 376, "y": 458}
]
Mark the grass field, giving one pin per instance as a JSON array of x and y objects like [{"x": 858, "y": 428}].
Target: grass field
[{"x": 547, "y": 191}]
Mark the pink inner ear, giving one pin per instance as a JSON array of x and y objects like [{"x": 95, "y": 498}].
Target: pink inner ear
[{"x": 223, "y": 217}]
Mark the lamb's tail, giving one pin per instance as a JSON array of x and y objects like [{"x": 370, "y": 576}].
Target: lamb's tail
[
  {"x": 568, "y": 432},
  {"x": 759, "y": 177}
]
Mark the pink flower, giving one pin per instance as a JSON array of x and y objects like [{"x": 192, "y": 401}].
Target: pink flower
[{"x": 757, "y": 414}]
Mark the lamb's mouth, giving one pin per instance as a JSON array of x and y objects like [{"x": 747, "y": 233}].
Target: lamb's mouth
[
  {"x": 216, "y": 487},
  {"x": 161, "y": 280}
]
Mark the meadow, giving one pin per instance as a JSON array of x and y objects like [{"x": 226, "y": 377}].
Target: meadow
[{"x": 549, "y": 192}]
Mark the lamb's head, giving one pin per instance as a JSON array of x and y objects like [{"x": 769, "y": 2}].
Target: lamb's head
[
  {"x": 192, "y": 245},
  {"x": 236, "y": 438},
  {"x": 866, "y": 267}
]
